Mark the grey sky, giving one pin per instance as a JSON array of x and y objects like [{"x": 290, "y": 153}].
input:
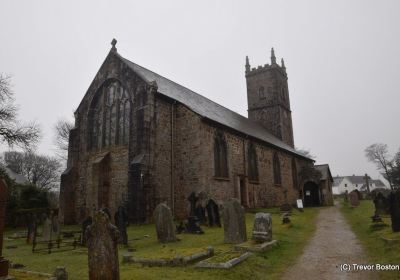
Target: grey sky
[{"x": 342, "y": 59}]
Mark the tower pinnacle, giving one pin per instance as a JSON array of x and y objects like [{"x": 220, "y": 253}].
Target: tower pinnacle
[
  {"x": 273, "y": 58},
  {"x": 247, "y": 64},
  {"x": 283, "y": 65},
  {"x": 113, "y": 43}
]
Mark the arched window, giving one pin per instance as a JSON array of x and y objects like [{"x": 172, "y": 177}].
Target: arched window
[
  {"x": 261, "y": 93},
  {"x": 277, "y": 170},
  {"x": 109, "y": 117},
  {"x": 294, "y": 174},
  {"x": 220, "y": 156},
  {"x": 252, "y": 163}
]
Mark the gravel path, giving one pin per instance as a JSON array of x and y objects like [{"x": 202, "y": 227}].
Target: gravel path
[{"x": 333, "y": 244}]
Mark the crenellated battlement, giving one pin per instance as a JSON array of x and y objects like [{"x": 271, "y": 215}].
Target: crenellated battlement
[{"x": 251, "y": 71}]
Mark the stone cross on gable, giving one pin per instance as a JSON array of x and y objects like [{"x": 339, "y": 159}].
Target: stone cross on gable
[
  {"x": 366, "y": 178},
  {"x": 113, "y": 43}
]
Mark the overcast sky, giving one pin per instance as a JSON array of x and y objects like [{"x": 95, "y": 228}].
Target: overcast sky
[{"x": 342, "y": 59}]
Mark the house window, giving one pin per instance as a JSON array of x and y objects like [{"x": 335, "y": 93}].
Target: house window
[
  {"x": 252, "y": 163},
  {"x": 261, "y": 93},
  {"x": 220, "y": 156},
  {"x": 345, "y": 185},
  {"x": 277, "y": 170},
  {"x": 294, "y": 174},
  {"x": 109, "y": 116}
]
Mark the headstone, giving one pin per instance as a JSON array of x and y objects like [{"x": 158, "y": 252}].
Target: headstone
[
  {"x": 192, "y": 200},
  {"x": 47, "y": 230},
  {"x": 394, "y": 201},
  {"x": 55, "y": 226},
  {"x": 234, "y": 222},
  {"x": 285, "y": 218},
  {"x": 32, "y": 227},
  {"x": 354, "y": 199},
  {"x": 60, "y": 273},
  {"x": 85, "y": 224},
  {"x": 102, "y": 241},
  {"x": 164, "y": 223},
  {"x": 3, "y": 201},
  {"x": 381, "y": 204},
  {"x": 193, "y": 225},
  {"x": 213, "y": 214},
  {"x": 262, "y": 229},
  {"x": 121, "y": 221},
  {"x": 286, "y": 208},
  {"x": 200, "y": 213}
]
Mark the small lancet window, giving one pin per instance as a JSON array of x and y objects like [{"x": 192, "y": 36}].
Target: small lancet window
[
  {"x": 252, "y": 163},
  {"x": 220, "y": 156},
  {"x": 261, "y": 93},
  {"x": 277, "y": 170}
]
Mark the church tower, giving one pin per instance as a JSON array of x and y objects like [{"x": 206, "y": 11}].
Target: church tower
[{"x": 268, "y": 98}]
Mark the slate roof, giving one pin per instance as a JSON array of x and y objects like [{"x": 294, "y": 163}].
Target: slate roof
[
  {"x": 358, "y": 180},
  {"x": 325, "y": 171},
  {"x": 209, "y": 109}
]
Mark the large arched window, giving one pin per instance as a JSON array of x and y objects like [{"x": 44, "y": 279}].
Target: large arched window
[
  {"x": 252, "y": 162},
  {"x": 277, "y": 170},
  {"x": 109, "y": 116},
  {"x": 220, "y": 156}
]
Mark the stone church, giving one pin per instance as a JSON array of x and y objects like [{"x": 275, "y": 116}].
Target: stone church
[{"x": 141, "y": 139}]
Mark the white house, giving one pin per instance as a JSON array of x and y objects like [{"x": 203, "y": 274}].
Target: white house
[{"x": 350, "y": 183}]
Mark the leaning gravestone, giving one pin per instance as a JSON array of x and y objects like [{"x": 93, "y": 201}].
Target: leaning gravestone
[
  {"x": 164, "y": 223},
  {"x": 47, "y": 230},
  {"x": 3, "y": 201},
  {"x": 354, "y": 199},
  {"x": 262, "y": 229},
  {"x": 121, "y": 221},
  {"x": 102, "y": 241},
  {"x": 234, "y": 222},
  {"x": 213, "y": 214},
  {"x": 394, "y": 201}
]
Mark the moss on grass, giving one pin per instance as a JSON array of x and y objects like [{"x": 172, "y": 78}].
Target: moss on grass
[
  {"x": 377, "y": 249},
  {"x": 268, "y": 265}
]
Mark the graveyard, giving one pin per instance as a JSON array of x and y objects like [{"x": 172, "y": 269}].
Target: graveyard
[
  {"x": 381, "y": 243},
  {"x": 143, "y": 244}
]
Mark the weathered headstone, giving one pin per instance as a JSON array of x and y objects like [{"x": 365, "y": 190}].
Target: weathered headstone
[
  {"x": 121, "y": 221},
  {"x": 85, "y": 224},
  {"x": 394, "y": 201},
  {"x": 55, "y": 226},
  {"x": 381, "y": 204},
  {"x": 193, "y": 225},
  {"x": 47, "y": 230},
  {"x": 3, "y": 202},
  {"x": 234, "y": 222},
  {"x": 164, "y": 223},
  {"x": 102, "y": 241},
  {"x": 262, "y": 229},
  {"x": 200, "y": 213},
  {"x": 32, "y": 227},
  {"x": 354, "y": 199},
  {"x": 213, "y": 214},
  {"x": 60, "y": 273},
  {"x": 192, "y": 200},
  {"x": 286, "y": 218}
]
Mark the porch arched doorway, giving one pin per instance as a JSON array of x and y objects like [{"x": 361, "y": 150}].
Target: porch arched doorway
[{"x": 312, "y": 196}]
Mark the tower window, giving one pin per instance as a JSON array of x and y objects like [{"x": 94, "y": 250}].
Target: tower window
[
  {"x": 220, "y": 156},
  {"x": 261, "y": 93}
]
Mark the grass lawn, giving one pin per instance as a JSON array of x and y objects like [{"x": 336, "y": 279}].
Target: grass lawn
[
  {"x": 269, "y": 265},
  {"x": 377, "y": 249}
]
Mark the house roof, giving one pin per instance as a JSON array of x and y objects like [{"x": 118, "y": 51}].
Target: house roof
[
  {"x": 357, "y": 180},
  {"x": 325, "y": 171},
  {"x": 209, "y": 109},
  {"x": 19, "y": 179}
]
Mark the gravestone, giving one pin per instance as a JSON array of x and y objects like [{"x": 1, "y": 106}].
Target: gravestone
[
  {"x": 55, "y": 226},
  {"x": 164, "y": 223},
  {"x": 200, "y": 213},
  {"x": 193, "y": 225},
  {"x": 47, "y": 230},
  {"x": 354, "y": 199},
  {"x": 286, "y": 207},
  {"x": 102, "y": 242},
  {"x": 3, "y": 201},
  {"x": 60, "y": 273},
  {"x": 213, "y": 214},
  {"x": 394, "y": 201},
  {"x": 286, "y": 218},
  {"x": 192, "y": 200},
  {"x": 85, "y": 224},
  {"x": 262, "y": 229},
  {"x": 32, "y": 227},
  {"x": 121, "y": 221},
  {"x": 381, "y": 204},
  {"x": 234, "y": 222}
]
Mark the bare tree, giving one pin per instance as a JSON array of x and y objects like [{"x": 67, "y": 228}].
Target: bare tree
[
  {"x": 378, "y": 154},
  {"x": 41, "y": 170},
  {"x": 62, "y": 129},
  {"x": 11, "y": 130}
]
